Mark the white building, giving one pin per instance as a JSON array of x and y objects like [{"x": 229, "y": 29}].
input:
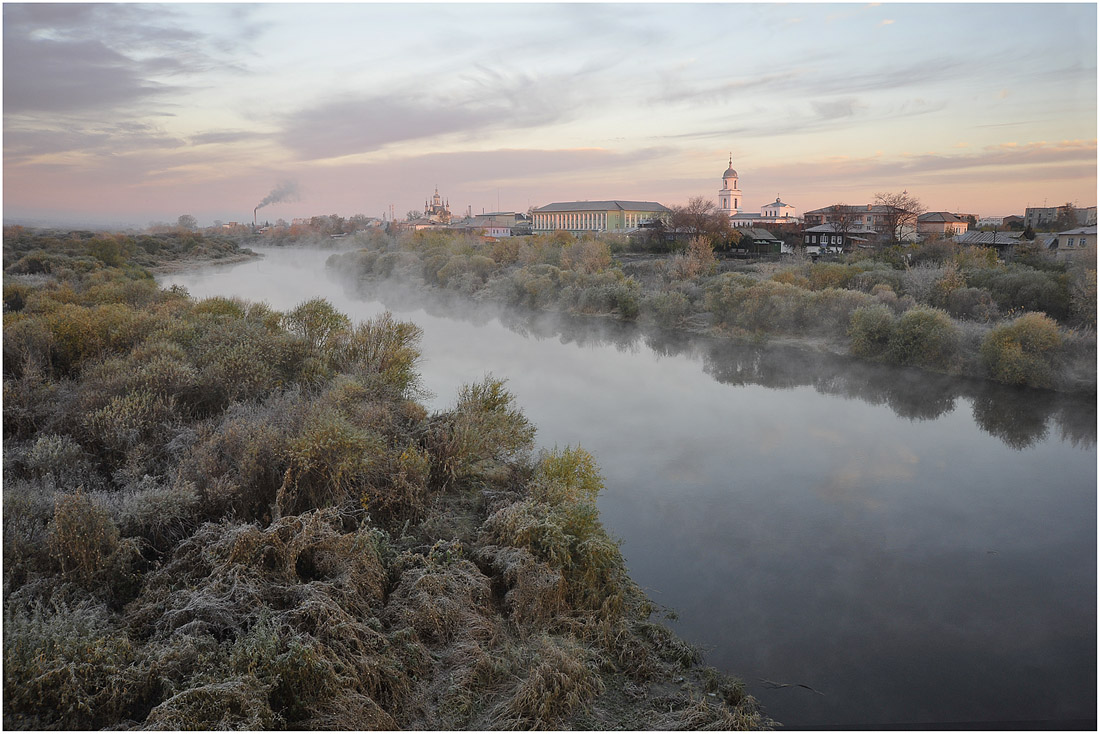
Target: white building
[{"x": 730, "y": 202}]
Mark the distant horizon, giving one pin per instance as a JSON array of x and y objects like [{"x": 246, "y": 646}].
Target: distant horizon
[{"x": 127, "y": 115}]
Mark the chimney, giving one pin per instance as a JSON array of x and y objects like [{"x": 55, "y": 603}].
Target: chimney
[{"x": 254, "y": 216}]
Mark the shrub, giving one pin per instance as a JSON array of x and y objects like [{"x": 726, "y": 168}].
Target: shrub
[
  {"x": 791, "y": 277},
  {"x": 586, "y": 256},
  {"x": 60, "y": 459},
  {"x": 505, "y": 251},
  {"x": 66, "y": 667},
  {"x": 1021, "y": 353},
  {"x": 830, "y": 311},
  {"x": 442, "y": 602},
  {"x": 869, "y": 279},
  {"x": 923, "y": 337},
  {"x": 669, "y": 309},
  {"x": 920, "y": 281},
  {"x": 625, "y": 296},
  {"x": 28, "y": 344},
  {"x": 1083, "y": 297},
  {"x": 234, "y": 704},
  {"x": 219, "y": 307},
  {"x": 1023, "y": 289},
  {"x": 162, "y": 514},
  {"x": 330, "y": 461},
  {"x": 950, "y": 281},
  {"x": 385, "y": 349},
  {"x": 82, "y": 537},
  {"x": 569, "y": 475},
  {"x": 723, "y": 295},
  {"x": 240, "y": 462},
  {"x": 560, "y": 679},
  {"x": 767, "y": 306},
  {"x": 971, "y": 303},
  {"x": 570, "y": 539},
  {"x": 831, "y": 275},
  {"x": 870, "y": 331},
  {"x": 317, "y": 322},
  {"x": 484, "y": 431},
  {"x": 130, "y": 419}
]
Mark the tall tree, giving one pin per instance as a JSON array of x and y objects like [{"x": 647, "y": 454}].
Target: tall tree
[
  {"x": 700, "y": 217},
  {"x": 1067, "y": 217},
  {"x": 186, "y": 221},
  {"x": 902, "y": 210}
]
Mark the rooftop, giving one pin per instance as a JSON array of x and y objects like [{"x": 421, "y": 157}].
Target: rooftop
[
  {"x": 940, "y": 217},
  {"x": 603, "y": 206}
]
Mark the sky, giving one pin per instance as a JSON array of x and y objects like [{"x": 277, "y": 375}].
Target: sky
[{"x": 133, "y": 114}]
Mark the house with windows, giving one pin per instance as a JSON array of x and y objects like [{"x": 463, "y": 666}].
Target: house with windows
[
  {"x": 833, "y": 237},
  {"x": 941, "y": 224},
  {"x": 760, "y": 242},
  {"x": 614, "y": 215},
  {"x": 493, "y": 224},
  {"x": 869, "y": 217},
  {"x": 1075, "y": 243}
]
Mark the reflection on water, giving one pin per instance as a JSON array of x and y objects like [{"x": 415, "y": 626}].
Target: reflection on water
[
  {"x": 1019, "y": 417},
  {"x": 917, "y": 548}
]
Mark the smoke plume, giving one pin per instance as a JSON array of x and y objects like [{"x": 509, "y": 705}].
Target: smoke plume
[{"x": 285, "y": 191}]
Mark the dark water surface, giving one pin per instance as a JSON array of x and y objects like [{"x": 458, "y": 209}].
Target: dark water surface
[{"x": 899, "y": 549}]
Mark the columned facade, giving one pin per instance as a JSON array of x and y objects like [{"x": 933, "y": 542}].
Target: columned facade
[{"x": 596, "y": 216}]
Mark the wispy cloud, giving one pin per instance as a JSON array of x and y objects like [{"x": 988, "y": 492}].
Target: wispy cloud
[
  {"x": 823, "y": 115},
  {"x": 485, "y": 100}
]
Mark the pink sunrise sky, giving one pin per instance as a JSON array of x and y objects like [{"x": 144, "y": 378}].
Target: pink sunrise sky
[{"x": 131, "y": 114}]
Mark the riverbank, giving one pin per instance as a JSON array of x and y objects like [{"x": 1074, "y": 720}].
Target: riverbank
[
  {"x": 895, "y": 481},
  {"x": 951, "y": 310},
  {"x": 218, "y": 515}
]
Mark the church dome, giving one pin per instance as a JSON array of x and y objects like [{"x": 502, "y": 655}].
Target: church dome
[{"x": 730, "y": 173}]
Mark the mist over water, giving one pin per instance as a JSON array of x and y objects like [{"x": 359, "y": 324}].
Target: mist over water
[{"x": 915, "y": 549}]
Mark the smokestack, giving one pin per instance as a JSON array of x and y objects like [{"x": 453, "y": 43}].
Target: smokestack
[{"x": 254, "y": 216}]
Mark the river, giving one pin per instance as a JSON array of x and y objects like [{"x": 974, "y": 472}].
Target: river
[{"x": 865, "y": 547}]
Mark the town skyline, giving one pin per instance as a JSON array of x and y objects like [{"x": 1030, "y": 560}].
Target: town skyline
[{"x": 133, "y": 113}]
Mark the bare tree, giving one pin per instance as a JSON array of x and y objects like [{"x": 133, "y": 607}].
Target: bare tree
[
  {"x": 700, "y": 217},
  {"x": 902, "y": 210},
  {"x": 845, "y": 220}
]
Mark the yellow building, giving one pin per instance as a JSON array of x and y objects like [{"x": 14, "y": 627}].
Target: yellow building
[{"x": 597, "y": 216}]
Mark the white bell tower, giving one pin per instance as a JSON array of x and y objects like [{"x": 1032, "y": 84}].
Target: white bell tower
[{"x": 729, "y": 196}]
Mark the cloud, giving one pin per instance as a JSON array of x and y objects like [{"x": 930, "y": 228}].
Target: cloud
[
  {"x": 836, "y": 109},
  {"x": 886, "y": 22},
  {"x": 221, "y": 137},
  {"x": 486, "y": 100},
  {"x": 348, "y": 127},
  {"x": 1043, "y": 161},
  {"x": 823, "y": 115},
  {"x": 68, "y": 58},
  {"x": 67, "y": 76},
  {"x": 22, "y": 144},
  {"x": 678, "y": 91}
]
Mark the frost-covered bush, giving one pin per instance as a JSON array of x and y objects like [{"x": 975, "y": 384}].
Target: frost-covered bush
[
  {"x": 669, "y": 309},
  {"x": 477, "y": 437},
  {"x": 923, "y": 337},
  {"x": 870, "y": 331},
  {"x": 1022, "y": 352},
  {"x": 1023, "y": 289}
]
